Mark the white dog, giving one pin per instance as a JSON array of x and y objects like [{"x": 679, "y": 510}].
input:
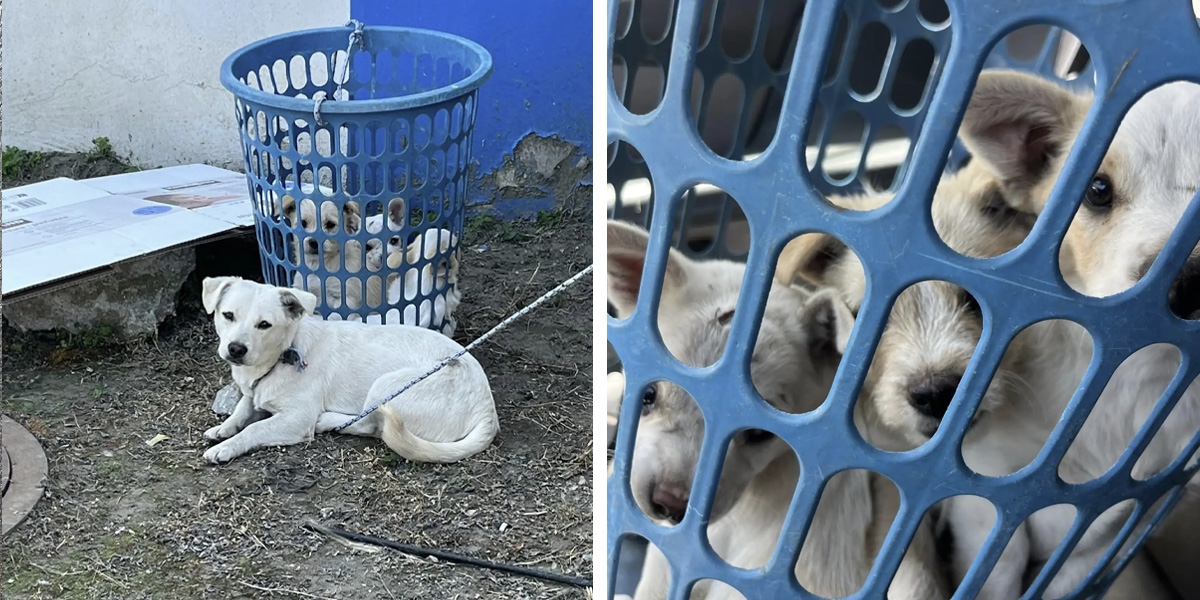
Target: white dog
[
  {"x": 300, "y": 375},
  {"x": 1023, "y": 125},
  {"x": 795, "y": 358}
]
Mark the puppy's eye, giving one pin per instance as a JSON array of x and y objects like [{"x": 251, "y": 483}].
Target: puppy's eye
[
  {"x": 754, "y": 437},
  {"x": 970, "y": 303},
  {"x": 228, "y": 315},
  {"x": 304, "y": 223},
  {"x": 330, "y": 226},
  {"x": 724, "y": 318},
  {"x": 263, "y": 325},
  {"x": 649, "y": 397},
  {"x": 1099, "y": 194}
]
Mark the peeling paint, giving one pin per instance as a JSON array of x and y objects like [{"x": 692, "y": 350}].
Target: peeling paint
[{"x": 541, "y": 172}]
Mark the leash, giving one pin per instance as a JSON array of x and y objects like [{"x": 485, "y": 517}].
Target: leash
[{"x": 505, "y": 323}]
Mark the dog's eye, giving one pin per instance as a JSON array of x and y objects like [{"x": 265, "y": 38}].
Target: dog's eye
[
  {"x": 228, "y": 315},
  {"x": 304, "y": 223},
  {"x": 754, "y": 437},
  {"x": 649, "y": 397},
  {"x": 330, "y": 226},
  {"x": 1099, "y": 193},
  {"x": 263, "y": 325},
  {"x": 724, "y": 318}
]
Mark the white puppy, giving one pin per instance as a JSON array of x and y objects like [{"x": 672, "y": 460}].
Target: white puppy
[
  {"x": 1023, "y": 126},
  {"x": 300, "y": 375},
  {"x": 794, "y": 361},
  {"x": 923, "y": 353}
]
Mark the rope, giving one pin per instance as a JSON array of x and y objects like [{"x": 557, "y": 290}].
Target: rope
[
  {"x": 448, "y": 556},
  {"x": 505, "y": 323},
  {"x": 356, "y": 39}
]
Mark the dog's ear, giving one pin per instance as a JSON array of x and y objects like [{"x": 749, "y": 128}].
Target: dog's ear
[
  {"x": 827, "y": 323},
  {"x": 810, "y": 257},
  {"x": 214, "y": 289},
  {"x": 1015, "y": 123},
  {"x": 626, "y": 259},
  {"x": 297, "y": 303}
]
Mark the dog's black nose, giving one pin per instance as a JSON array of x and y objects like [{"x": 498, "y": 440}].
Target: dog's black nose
[
  {"x": 670, "y": 502},
  {"x": 236, "y": 350},
  {"x": 311, "y": 244},
  {"x": 1184, "y": 297},
  {"x": 931, "y": 396}
]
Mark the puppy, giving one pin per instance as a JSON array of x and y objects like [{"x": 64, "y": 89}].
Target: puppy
[
  {"x": 795, "y": 358},
  {"x": 300, "y": 375},
  {"x": 1023, "y": 127},
  {"x": 924, "y": 351}
]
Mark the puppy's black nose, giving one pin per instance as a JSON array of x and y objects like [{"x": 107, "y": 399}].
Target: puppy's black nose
[
  {"x": 1184, "y": 297},
  {"x": 311, "y": 244},
  {"x": 670, "y": 502},
  {"x": 236, "y": 350},
  {"x": 931, "y": 396}
]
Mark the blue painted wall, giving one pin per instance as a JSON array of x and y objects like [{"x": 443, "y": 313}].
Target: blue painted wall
[{"x": 542, "y": 50}]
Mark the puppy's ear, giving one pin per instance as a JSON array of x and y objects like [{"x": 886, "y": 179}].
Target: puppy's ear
[
  {"x": 627, "y": 258},
  {"x": 214, "y": 289},
  {"x": 827, "y": 322},
  {"x": 810, "y": 257},
  {"x": 1015, "y": 123},
  {"x": 297, "y": 303},
  {"x": 351, "y": 220}
]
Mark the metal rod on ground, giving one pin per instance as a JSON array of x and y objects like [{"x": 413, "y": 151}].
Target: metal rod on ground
[
  {"x": 448, "y": 556},
  {"x": 479, "y": 340}
]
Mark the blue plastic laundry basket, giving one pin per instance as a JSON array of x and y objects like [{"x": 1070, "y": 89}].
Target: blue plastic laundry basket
[
  {"x": 358, "y": 169},
  {"x": 761, "y": 159}
]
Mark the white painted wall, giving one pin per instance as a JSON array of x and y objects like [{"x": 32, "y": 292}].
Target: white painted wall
[{"x": 144, "y": 73}]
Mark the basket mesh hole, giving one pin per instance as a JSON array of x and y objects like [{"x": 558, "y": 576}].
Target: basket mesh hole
[
  {"x": 710, "y": 224},
  {"x": 319, "y": 69},
  {"x": 657, "y": 19},
  {"x": 279, "y": 71},
  {"x": 721, "y": 124},
  {"x": 891, "y": 4},
  {"x": 783, "y": 26},
  {"x": 887, "y": 153},
  {"x": 760, "y": 463},
  {"x": 646, "y": 91},
  {"x": 650, "y": 568},
  {"x": 874, "y": 43},
  {"x": 908, "y": 93},
  {"x": 934, "y": 12},
  {"x": 843, "y": 151},
  {"x": 739, "y": 28}
]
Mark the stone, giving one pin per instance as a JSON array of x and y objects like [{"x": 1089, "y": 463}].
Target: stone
[
  {"x": 128, "y": 302},
  {"x": 226, "y": 399}
]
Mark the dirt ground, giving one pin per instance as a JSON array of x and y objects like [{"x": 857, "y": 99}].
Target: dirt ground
[{"x": 123, "y": 520}]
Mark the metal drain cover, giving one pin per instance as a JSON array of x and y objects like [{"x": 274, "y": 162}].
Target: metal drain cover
[{"x": 22, "y": 472}]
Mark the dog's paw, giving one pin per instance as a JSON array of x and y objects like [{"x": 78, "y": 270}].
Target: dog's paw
[
  {"x": 220, "y": 454},
  {"x": 217, "y": 433}
]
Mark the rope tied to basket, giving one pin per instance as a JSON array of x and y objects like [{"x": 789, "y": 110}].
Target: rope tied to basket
[{"x": 319, "y": 98}]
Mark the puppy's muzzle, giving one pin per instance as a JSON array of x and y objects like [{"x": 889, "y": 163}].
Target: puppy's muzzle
[
  {"x": 310, "y": 245},
  {"x": 669, "y": 502},
  {"x": 1184, "y": 297},
  {"x": 931, "y": 395},
  {"x": 236, "y": 351}
]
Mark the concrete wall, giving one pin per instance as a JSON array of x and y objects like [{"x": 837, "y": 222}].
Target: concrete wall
[
  {"x": 542, "y": 83},
  {"x": 144, "y": 73}
]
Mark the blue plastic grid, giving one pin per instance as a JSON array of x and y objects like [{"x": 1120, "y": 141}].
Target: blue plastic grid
[
  {"x": 766, "y": 73},
  {"x": 780, "y": 200},
  {"x": 394, "y": 139}
]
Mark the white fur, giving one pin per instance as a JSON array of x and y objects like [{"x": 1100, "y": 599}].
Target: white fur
[
  {"x": 792, "y": 368},
  {"x": 350, "y": 366}
]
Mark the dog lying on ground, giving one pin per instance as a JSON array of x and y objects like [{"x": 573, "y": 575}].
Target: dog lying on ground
[
  {"x": 795, "y": 359},
  {"x": 300, "y": 375}
]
